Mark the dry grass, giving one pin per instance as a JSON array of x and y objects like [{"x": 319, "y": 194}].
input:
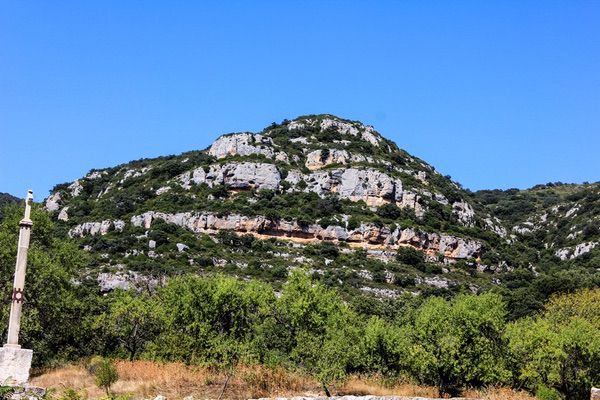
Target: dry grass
[
  {"x": 506, "y": 394},
  {"x": 145, "y": 379},
  {"x": 362, "y": 386},
  {"x": 358, "y": 385}
]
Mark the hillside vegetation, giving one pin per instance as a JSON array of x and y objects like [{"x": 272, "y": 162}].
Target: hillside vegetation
[
  {"x": 222, "y": 322},
  {"x": 316, "y": 247},
  {"x": 336, "y": 197}
]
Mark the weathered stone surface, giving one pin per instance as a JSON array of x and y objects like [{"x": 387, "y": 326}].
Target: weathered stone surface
[
  {"x": 369, "y": 235},
  {"x": 134, "y": 173},
  {"x": 372, "y": 186},
  {"x": 63, "y": 214},
  {"x": 242, "y": 144},
  {"x": 15, "y": 364},
  {"x": 341, "y": 126},
  {"x": 318, "y": 159},
  {"x": 182, "y": 247},
  {"x": 96, "y": 228},
  {"x": 367, "y": 133},
  {"x": 125, "y": 280},
  {"x": 434, "y": 281},
  {"x": 595, "y": 394},
  {"x": 245, "y": 175},
  {"x": 569, "y": 253},
  {"x": 95, "y": 175},
  {"x": 370, "y": 136},
  {"x": 464, "y": 212},
  {"x": 495, "y": 226},
  {"x": 161, "y": 190},
  {"x": 75, "y": 188},
  {"x": 53, "y": 202},
  {"x": 28, "y": 392}
]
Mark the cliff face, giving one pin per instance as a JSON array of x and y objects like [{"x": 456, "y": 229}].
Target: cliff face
[
  {"x": 298, "y": 186},
  {"x": 367, "y": 236}
]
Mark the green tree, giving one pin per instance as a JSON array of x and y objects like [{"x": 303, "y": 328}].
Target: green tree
[
  {"x": 312, "y": 328},
  {"x": 130, "y": 322},
  {"x": 459, "y": 342},
  {"x": 106, "y": 375},
  {"x": 410, "y": 256},
  {"x": 383, "y": 347},
  {"x": 56, "y": 312},
  {"x": 559, "y": 349},
  {"x": 208, "y": 320}
]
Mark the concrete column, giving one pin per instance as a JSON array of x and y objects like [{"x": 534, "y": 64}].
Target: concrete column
[{"x": 14, "y": 324}]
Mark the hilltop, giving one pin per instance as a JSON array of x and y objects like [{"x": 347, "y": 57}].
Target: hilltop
[{"x": 337, "y": 197}]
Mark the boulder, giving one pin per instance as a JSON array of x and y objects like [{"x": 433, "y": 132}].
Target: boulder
[
  {"x": 53, "y": 202},
  {"x": 242, "y": 144},
  {"x": 63, "y": 214}
]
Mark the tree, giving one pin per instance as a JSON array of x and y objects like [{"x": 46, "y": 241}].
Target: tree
[
  {"x": 106, "y": 375},
  {"x": 410, "y": 256},
  {"x": 459, "y": 342},
  {"x": 312, "y": 328},
  {"x": 382, "y": 347},
  {"x": 208, "y": 320},
  {"x": 56, "y": 312},
  {"x": 389, "y": 211},
  {"x": 130, "y": 321},
  {"x": 559, "y": 349}
]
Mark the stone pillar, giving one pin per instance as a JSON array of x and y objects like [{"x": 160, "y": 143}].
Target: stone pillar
[
  {"x": 595, "y": 394},
  {"x": 14, "y": 361}
]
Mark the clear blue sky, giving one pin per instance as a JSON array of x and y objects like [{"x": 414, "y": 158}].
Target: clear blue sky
[{"x": 497, "y": 94}]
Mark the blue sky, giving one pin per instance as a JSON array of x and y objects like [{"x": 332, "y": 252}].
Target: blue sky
[{"x": 496, "y": 94}]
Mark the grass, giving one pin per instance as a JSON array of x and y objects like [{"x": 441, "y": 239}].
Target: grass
[{"x": 146, "y": 379}]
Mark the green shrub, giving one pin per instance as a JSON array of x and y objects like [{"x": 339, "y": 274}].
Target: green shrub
[
  {"x": 72, "y": 394},
  {"x": 410, "y": 256},
  {"x": 106, "y": 375},
  {"x": 546, "y": 393}
]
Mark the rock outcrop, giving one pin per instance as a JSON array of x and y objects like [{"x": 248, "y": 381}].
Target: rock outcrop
[
  {"x": 53, "y": 202},
  {"x": 366, "y": 235},
  {"x": 569, "y": 253},
  {"x": 96, "y": 228},
  {"x": 245, "y": 175},
  {"x": 242, "y": 144}
]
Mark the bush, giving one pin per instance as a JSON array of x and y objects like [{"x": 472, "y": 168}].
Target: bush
[
  {"x": 559, "y": 349},
  {"x": 72, "y": 394},
  {"x": 106, "y": 375},
  {"x": 546, "y": 393},
  {"x": 389, "y": 211},
  {"x": 410, "y": 256},
  {"x": 459, "y": 342}
]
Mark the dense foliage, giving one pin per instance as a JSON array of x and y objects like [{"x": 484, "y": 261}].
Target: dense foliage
[
  {"x": 5, "y": 200},
  {"x": 217, "y": 320},
  {"x": 524, "y": 313}
]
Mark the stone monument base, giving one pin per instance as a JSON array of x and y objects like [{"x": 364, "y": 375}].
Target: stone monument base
[{"x": 15, "y": 364}]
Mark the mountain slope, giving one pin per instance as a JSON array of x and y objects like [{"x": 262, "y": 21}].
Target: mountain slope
[{"x": 317, "y": 191}]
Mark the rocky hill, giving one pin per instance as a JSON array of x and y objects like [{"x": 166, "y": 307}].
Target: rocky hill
[{"x": 329, "y": 194}]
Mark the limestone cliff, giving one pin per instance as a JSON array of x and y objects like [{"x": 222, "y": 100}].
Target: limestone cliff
[{"x": 293, "y": 190}]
